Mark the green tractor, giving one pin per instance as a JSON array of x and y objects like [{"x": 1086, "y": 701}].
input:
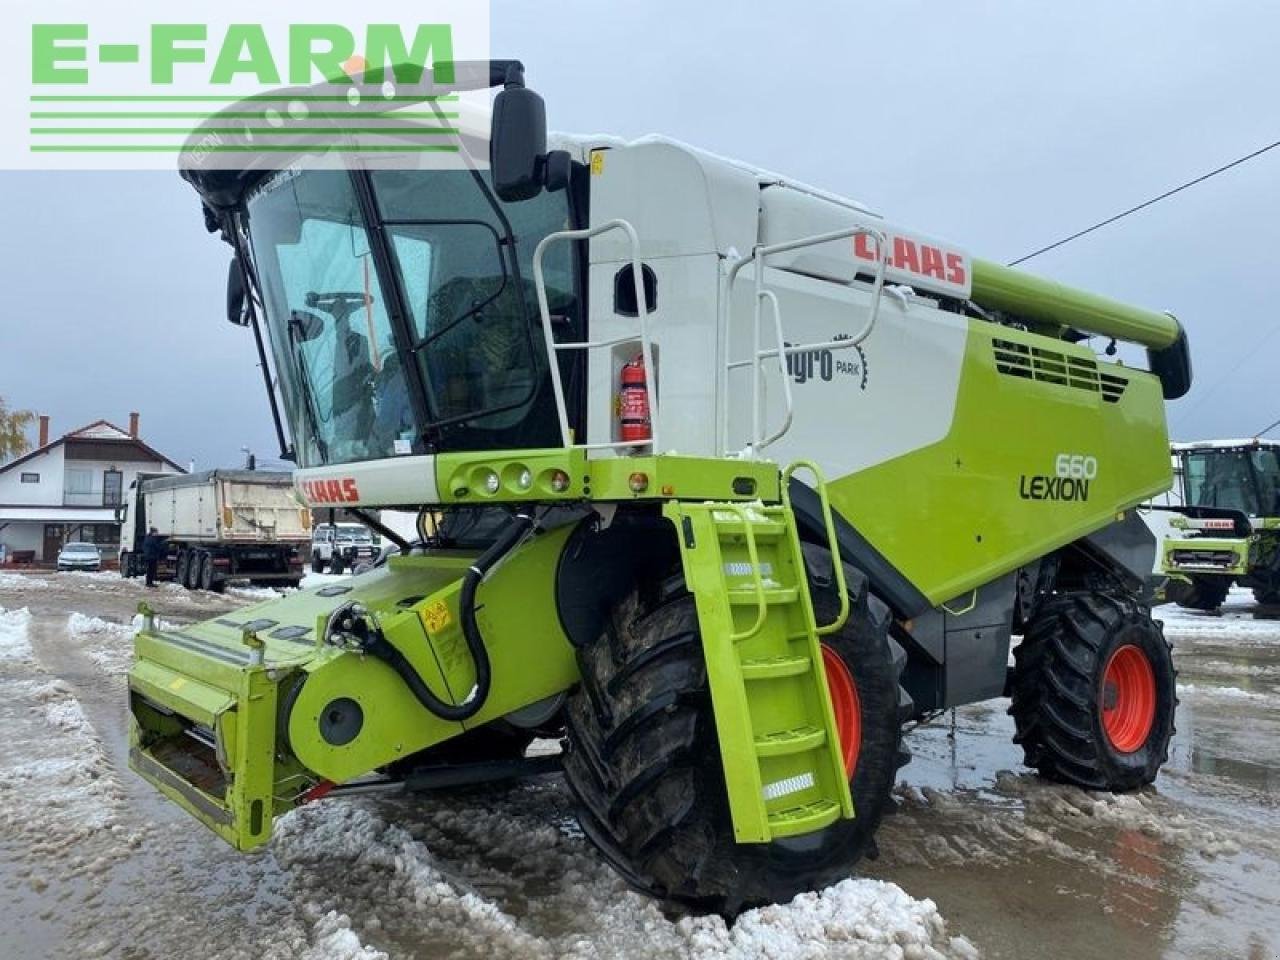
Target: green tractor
[
  {"x": 722, "y": 481},
  {"x": 1228, "y": 529}
]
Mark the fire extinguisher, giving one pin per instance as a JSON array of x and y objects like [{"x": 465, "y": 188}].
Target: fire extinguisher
[{"x": 633, "y": 401}]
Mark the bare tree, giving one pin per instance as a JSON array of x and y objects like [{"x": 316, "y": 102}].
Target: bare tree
[{"x": 13, "y": 431}]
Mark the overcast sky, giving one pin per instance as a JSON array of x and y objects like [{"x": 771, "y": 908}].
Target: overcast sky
[{"x": 1001, "y": 126}]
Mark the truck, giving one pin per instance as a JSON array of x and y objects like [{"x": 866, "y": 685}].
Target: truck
[
  {"x": 341, "y": 546},
  {"x": 724, "y": 481},
  {"x": 1227, "y": 530},
  {"x": 219, "y": 525}
]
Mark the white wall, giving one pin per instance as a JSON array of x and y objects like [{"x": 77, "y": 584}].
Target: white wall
[
  {"x": 23, "y": 535},
  {"x": 97, "y": 468},
  {"x": 48, "y": 492}
]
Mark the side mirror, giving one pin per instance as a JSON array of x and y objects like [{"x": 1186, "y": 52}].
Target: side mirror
[
  {"x": 517, "y": 139},
  {"x": 237, "y": 302},
  {"x": 1172, "y": 365}
]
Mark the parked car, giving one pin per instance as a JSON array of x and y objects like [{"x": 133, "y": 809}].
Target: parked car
[
  {"x": 341, "y": 547},
  {"x": 79, "y": 556}
]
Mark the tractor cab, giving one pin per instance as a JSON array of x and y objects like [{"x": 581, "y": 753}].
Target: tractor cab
[
  {"x": 1241, "y": 475},
  {"x": 1229, "y": 528}
]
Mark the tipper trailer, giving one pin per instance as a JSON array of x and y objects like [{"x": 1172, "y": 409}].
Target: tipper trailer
[
  {"x": 219, "y": 525},
  {"x": 722, "y": 480}
]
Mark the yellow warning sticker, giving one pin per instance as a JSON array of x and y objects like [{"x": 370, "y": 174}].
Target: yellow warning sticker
[
  {"x": 597, "y": 162},
  {"x": 436, "y": 616},
  {"x": 177, "y": 683}
]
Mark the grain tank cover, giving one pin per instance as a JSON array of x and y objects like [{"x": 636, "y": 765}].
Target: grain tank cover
[{"x": 916, "y": 260}]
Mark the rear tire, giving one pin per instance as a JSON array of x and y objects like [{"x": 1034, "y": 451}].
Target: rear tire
[
  {"x": 1267, "y": 596},
  {"x": 205, "y": 575},
  {"x": 644, "y": 759},
  {"x": 1206, "y": 593},
  {"x": 192, "y": 580},
  {"x": 180, "y": 572},
  {"x": 1094, "y": 692}
]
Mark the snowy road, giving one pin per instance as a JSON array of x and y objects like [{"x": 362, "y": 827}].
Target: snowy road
[{"x": 97, "y": 865}]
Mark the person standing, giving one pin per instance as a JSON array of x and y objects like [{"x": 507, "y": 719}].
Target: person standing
[{"x": 153, "y": 547}]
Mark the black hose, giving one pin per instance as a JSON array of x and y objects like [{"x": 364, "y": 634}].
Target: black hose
[{"x": 378, "y": 646}]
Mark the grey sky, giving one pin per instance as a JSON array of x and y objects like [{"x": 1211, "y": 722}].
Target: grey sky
[{"x": 1001, "y": 126}]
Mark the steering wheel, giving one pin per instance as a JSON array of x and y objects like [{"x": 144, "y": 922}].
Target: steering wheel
[{"x": 339, "y": 303}]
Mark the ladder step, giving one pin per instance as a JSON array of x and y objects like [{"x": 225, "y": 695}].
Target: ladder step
[
  {"x": 804, "y": 818},
  {"x": 763, "y": 529},
  {"x": 772, "y": 595},
  {"x": 772, "y": 668},
  {"x": 795, "y": 740}
]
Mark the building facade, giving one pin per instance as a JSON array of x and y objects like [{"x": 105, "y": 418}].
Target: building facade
[{"x": 68, "y": 490}]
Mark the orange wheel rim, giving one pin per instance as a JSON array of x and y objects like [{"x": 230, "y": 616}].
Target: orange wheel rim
[
  {"x": 1128, "y": 698},
  {"x": 846, "y": 706}
]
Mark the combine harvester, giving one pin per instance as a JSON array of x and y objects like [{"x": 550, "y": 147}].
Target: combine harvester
[
  {"x": 1228, "y": 529},
  {"x": 722, "y": 479}
]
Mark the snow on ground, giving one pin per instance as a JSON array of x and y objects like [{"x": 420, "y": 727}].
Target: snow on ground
[
  {"x": 108, "y": 644},
  {"x": 20, "y": 581},
  {"x": 56, "y": 784},
  {"x": 504, "y": 875},
  {"x": 258, "y": 593},
  {"x": 1236, "y": 619},
  {"x": 14, "y": 644}
]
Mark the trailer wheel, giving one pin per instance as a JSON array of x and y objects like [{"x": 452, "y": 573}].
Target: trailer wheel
[
  {"x": 644, "y": 760},
  {"x": 1094, "y": 692},
  {"x": 180, "y": 572},
  {"x": 204, "y": 577},
  {"x": 126, "y": 565},
  {"x": 1205, "y": 593}
]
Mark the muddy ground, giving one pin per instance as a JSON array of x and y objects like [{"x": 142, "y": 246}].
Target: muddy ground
[{"x": 983, "y": 859}]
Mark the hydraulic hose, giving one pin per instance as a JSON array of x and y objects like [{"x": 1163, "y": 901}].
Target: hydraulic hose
[{"x": 377, "y": 645}]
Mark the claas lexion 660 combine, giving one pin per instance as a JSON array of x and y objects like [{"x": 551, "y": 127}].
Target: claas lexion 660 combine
[{"x": 723, "y": 480}]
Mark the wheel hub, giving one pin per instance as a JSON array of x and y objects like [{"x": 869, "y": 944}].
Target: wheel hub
[
  {"x": 846, "y": 706},
  {"x": 1128, "y": 698}
]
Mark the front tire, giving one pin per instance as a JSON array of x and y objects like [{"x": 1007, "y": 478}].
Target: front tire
[
  {"x": 1206, "y": 593},
  {"x": 1094, "y": 692},
  {"x": 644, "y": 759}
]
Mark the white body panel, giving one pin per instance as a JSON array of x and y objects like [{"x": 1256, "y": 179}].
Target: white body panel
[
  {"x": 695, "y": 215},
  {"x": 856, "y": 407},
  {"x": 402, "y": 481}
]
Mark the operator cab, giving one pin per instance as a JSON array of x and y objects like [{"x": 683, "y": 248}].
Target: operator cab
[
  {"x": 1241, "y": 475},
  {"x": 399, "y": 304}
]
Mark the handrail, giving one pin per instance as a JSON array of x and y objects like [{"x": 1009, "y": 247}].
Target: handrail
[
  {"x": 820, "y": 484},
  {"x": 753, "y": 558},
  {"x": 758, "y": 254},
  {"x": 642, "y": 311}
]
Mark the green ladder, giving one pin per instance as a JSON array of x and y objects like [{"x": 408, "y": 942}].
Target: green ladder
[{"x": 783, "y": 761}]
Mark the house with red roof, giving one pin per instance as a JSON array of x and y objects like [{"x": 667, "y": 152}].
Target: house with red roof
[{"x": 68, "y": 489}]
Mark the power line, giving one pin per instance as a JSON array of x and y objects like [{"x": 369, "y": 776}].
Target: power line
[
  {"x": 1265, "y": 430},
  {"x": 1168, "y": 193}
]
